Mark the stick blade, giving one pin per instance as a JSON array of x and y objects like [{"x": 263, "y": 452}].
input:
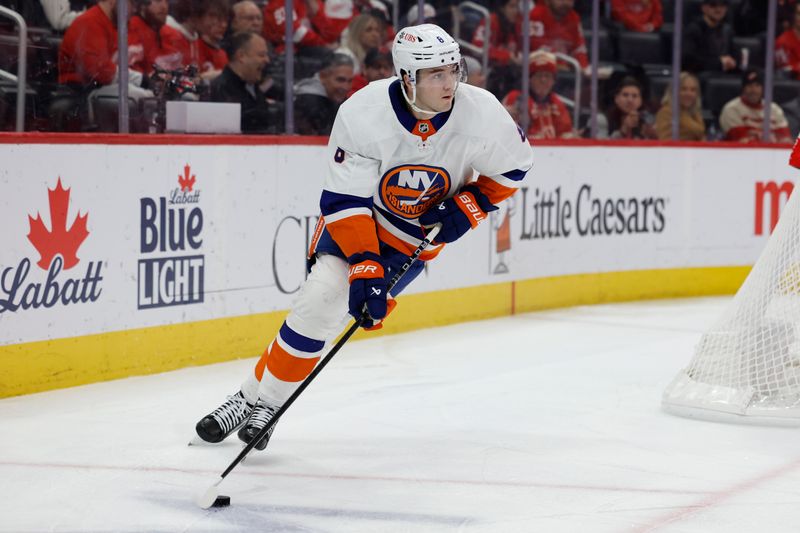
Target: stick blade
[{"x": 207, "y": 498}]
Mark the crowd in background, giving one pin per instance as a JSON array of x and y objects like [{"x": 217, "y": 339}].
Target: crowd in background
[{"x": 234, "y": 51}]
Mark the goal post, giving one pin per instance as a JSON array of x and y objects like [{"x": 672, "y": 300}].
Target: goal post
[{"x": 746, "y": 368}]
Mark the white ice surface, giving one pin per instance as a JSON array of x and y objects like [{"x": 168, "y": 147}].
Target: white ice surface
[{"x": 545, "y": 422}]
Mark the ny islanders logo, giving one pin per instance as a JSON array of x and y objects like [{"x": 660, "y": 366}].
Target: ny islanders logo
[{"x": 409, "y": 190}]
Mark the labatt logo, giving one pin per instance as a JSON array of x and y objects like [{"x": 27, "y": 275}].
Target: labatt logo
[
  {"x": 171, "y": 225},
  {"x": 58, "y": 251}
]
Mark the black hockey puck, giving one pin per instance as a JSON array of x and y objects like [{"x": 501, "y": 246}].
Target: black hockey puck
[{"x": 222, "y": 501}]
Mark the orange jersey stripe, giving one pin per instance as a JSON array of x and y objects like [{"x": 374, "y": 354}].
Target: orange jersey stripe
[
  {"x": 285, "y": 366},
  {"x": 355, "y": 234},
  {"x": 493, "y": 190}
]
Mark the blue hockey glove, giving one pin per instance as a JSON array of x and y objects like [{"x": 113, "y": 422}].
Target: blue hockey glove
[
  {"x": 458, "y": 214},
  {"x": 367, "y": 288}
]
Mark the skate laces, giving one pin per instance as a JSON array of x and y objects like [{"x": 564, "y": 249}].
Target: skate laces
[
  {"x": 262, "y": 413},
  {"x": 231, "y": 413}
]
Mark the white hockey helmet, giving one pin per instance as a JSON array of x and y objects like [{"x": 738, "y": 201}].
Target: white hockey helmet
[{"x": 420, "y": 47}]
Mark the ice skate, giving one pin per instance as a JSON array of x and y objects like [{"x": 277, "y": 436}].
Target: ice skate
[
  {"x": 261, "y": 415},
  {"x": 225, "y": 419}
]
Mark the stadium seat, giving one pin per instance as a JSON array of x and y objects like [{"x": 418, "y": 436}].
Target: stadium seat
[
  {"x": 755, "y": 47},
  {"x": 32, "y": 107},
  {"x": 785, "y": 90},
  {"x": 719, "y": 91},
  {"x": 66, "y": 110},
  {"x": 605, "y": 45},
  {"x": 668, "y": 11},
  {"x": 638, "y": 48}
]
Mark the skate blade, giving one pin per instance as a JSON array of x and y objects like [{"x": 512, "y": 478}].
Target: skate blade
[{"x": 197, "y": 441}]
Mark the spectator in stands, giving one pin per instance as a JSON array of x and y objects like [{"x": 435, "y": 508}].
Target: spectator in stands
[
  {"x": 378, "y": 65},
  {"x": 317, "y": 99},
  {"x": 246, "y": 16},
  {"x": 60, "y": 13},
  {"x": 638, "y": 15},
  {"x": 708, "y": 40},
  {"x": 413, "y": 18},
  {"x": 475, "y": 75},
  {"x": 626, "y": 119},
  {"x": 742, "y": 119},
  {"x": 505, "y": 45},
  {"x": 556, "y": 27},
  {"x": 186, "y": 19},
  {"x": 87, "y": 57},
  {"x": 149, "y": 33},
  {"x": 549, "y": 117},
  {"x": 787, "y": 47},
  {"x": 312, "y": 28},
  {"x": 364, "y": 32},
  {"x": 239, "y": 81},
  {"x": 214, "y": 16},
  {"x": 691, "y": 126}
]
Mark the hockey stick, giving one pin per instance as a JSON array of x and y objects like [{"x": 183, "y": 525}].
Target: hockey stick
[{"x": 208, "y": 498}]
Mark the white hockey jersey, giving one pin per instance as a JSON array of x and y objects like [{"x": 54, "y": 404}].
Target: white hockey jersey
[{"x": 386, "y": 167}]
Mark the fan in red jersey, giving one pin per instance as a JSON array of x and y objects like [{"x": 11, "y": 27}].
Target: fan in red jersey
[{"x": 549, "y": 117}]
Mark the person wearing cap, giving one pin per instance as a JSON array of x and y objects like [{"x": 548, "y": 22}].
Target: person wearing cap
[
  {"x": 742, "y": 119},
  {"x": 377, "y": 66},
  {"x": 549, "y": 117},
  {"x": 708, "y": 40}
]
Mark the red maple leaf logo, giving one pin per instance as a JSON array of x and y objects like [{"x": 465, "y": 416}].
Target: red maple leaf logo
[
  {"x": 187, "y": 180},
  {"x": 59, "y": 240}
]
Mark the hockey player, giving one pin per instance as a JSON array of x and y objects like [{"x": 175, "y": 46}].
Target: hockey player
[{"x": 403, "y": 156}]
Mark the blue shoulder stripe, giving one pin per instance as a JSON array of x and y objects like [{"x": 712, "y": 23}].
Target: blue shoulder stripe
[
  {"x": 300, "y": 342},
  {"x": 333, "y": 202},
  {"x": 515, "y": 175}
]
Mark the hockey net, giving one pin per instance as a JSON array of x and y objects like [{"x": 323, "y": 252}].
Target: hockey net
[{"x": 747, "y": 366}]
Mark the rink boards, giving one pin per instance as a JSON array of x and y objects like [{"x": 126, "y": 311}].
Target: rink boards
[{"x": 147, "y": 254}]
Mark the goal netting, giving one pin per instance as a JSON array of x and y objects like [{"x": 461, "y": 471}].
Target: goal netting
[{"x": 747, "y": 366}]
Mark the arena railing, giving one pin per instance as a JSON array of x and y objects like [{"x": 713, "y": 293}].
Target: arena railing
[
  {"x": 459, "y": 13},
  {"x": 22, "y": 61}
]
